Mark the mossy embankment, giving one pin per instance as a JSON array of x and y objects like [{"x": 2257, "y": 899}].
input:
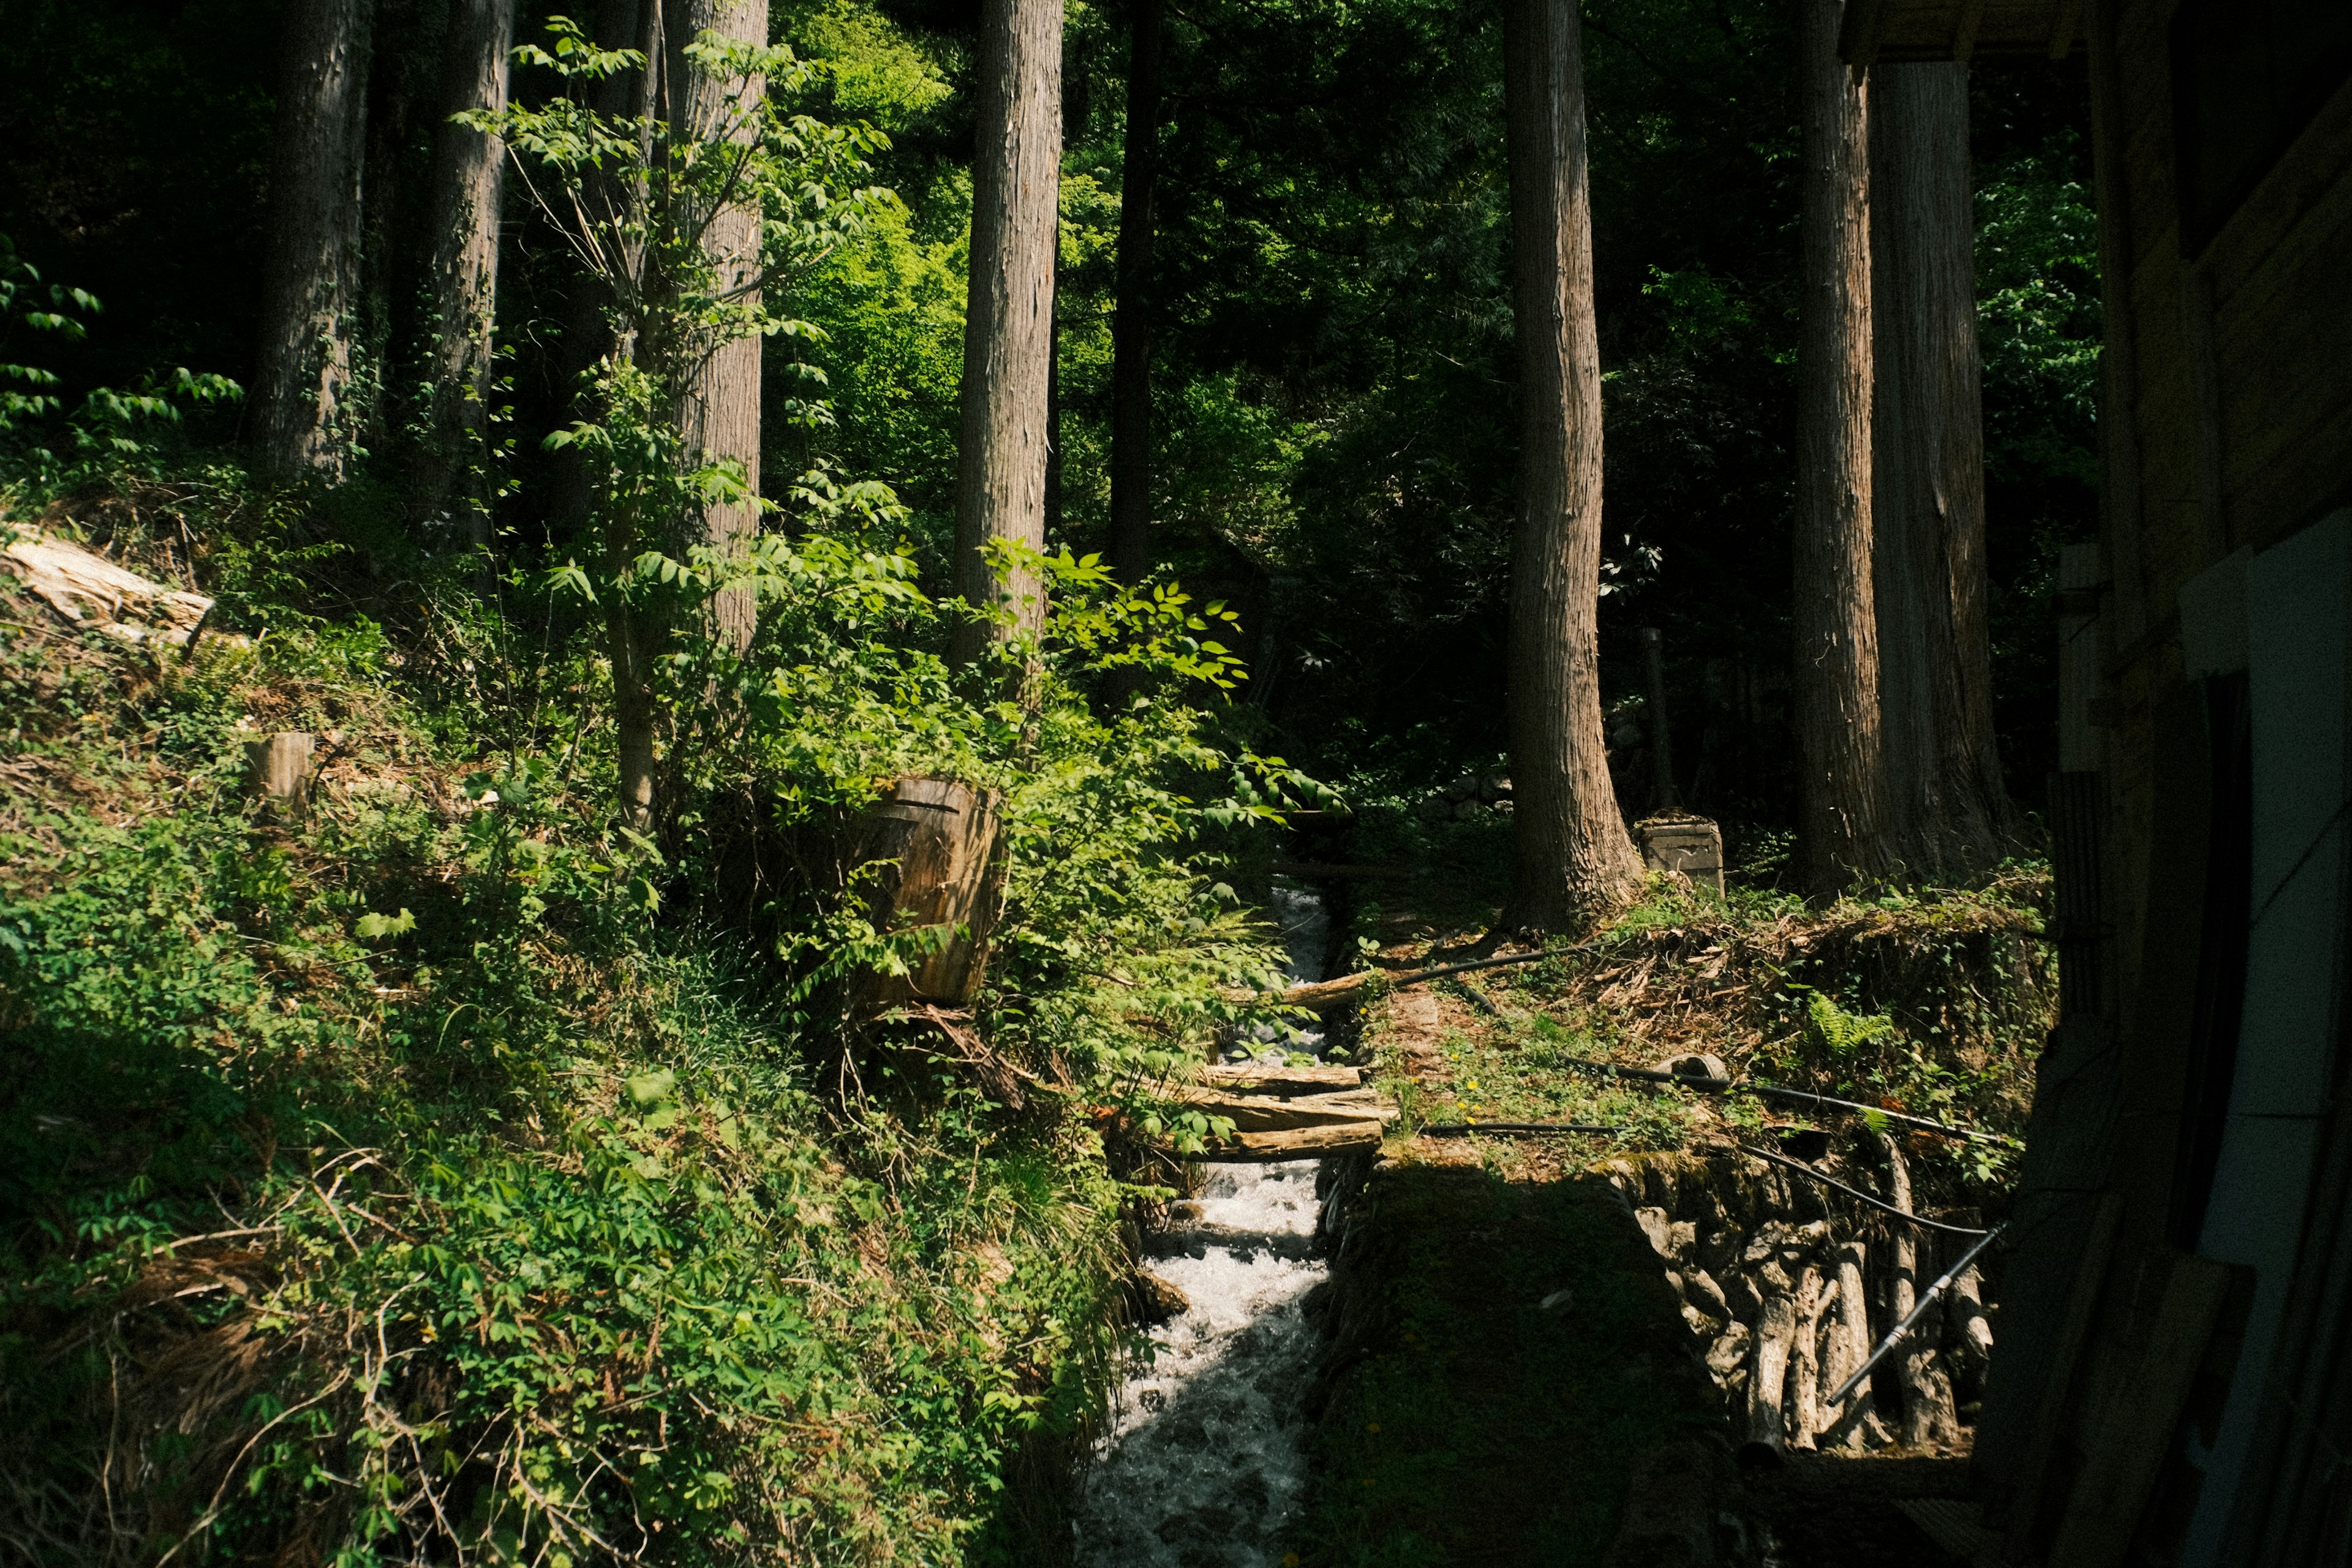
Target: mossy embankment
[
  {"x": 1500, "y": 1352},
  {"x": 1494, "y": 1427}
]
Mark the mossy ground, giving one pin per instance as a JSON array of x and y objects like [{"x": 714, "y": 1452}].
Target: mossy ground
[{"x": 1482, "y": 1426}]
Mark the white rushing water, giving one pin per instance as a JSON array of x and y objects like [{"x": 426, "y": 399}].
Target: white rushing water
[{"x": 1205, "y": 1456}]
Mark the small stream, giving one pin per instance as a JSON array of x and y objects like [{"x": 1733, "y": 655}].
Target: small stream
[{"x": 1205, "y": 1456}]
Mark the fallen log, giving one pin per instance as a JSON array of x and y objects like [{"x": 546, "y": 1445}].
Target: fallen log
[
  {"x": 1304, "y": 1143},
  {"x": 1272, "y": 1078},
  {"x": 1265, "y": 1114},
  {"x": 88, "y": 590},
  {"x": 1318, "y": 994}
]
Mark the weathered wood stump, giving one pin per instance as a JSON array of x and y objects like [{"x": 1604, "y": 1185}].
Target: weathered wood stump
[
  {"x": 941, "y": 846},
  {"x": 278, "y": 771}
]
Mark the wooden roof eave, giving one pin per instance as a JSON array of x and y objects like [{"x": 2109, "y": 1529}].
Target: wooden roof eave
[{"x": 1898, "y": 32}]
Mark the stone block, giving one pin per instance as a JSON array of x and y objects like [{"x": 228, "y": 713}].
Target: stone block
[{"x": 1691, "y": 846}]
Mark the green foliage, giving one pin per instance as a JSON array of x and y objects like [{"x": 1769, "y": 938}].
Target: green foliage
[
  {"x": 636, "y": 201},
  {"x": 102, "y": 428},
  {"x": 2037, "y": 259},
  {"x": 1831, "y": 1028},
  {"x": 562, "y": 1220}
]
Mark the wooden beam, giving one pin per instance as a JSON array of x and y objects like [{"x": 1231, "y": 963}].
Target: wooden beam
[
  {"x": 1273, "y": 1077},
  {"x": 1306, "y": 1143},
  {"x": 2025, "y": 1509},
  {"x": 1265, "y": 1113},
  {"x": 1964, "y": 35},
  {"x": 2062, "y": 32},
  {"x": 1861, "y": 32},
  {"x": 2135, "y": 1416}
]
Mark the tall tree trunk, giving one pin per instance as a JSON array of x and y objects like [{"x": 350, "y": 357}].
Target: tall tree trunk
[
  {"x": 1844, "y": 824},
  {"x": 1574, "y": 860},
  {"x": 394, "y": 254},
  {"x": 587, "y": 333},
  {"x": 311, "y": 278},
  {"x": 719, "y": 416},
  {"x": 631, "y": 641},
  {"x": 468, "y": 167},
  {"x": 1952, "y": 814},
  {"x": 1008, "y": 319},
  {"x": 1131, "y": 354}
]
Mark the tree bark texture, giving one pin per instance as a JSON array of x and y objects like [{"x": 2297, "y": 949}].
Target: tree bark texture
[
  {"x": 1952, "y": 814},
  {"x": 1847, "y": 1426},
  {"x": 301, "y": 409},
  {"x": 1775, "y": 1334},
  {"x": 718, "y": 413},
  {"x": 587, "y": 331},
  {"x": 1008, "y": 319},
  {"x": 1844, "y": 812},
  {"x": 1131, "y": 354},
  {"x": 943, "y": 844},
  {"x": 1574, "y": 860},
  {"x": 467, "y": 169},
  {"x": 1930, "y": 1416}
]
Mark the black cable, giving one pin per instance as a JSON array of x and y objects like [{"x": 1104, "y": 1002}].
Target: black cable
[
  {"x": 1895, "y": 1335},
  {"x": 1826, "y": 1180},
  {"x": 1774, "y": 1092}
]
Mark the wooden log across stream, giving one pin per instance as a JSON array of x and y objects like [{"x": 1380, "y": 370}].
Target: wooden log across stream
[
  {"x": 1300, "y": 1144},
  {"x": 1282, "y": 1112}
]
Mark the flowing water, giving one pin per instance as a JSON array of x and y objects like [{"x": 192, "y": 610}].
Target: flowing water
[{"x": 1205, "y": 1456}]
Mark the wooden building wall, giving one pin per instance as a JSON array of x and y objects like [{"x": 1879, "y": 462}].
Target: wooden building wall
[{"x": 2175, "y": 1369}]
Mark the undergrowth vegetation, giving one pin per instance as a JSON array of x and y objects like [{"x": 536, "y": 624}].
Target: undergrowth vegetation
[
  {"x": 446, "y": 1172},
  {"x": 1932, "y": 1002}
]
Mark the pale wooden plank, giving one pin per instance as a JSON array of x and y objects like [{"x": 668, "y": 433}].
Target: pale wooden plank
[{"x": 2132, "y": 1417}]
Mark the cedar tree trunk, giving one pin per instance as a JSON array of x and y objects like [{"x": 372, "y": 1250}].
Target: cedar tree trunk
[
  {"x": 587, "y": 334},
  {"x": 466, "y": 170},
  {"x": 310, "y": 271},
  {"x": 1573, "y": 859},
  {"x": 1843, "y": 828},
  {"x": 1131, "y": 354},
  {"x": 1951, "y": 814},
  {"x": 1008, "y": 319},
  {"x": 719, "y": 417}
]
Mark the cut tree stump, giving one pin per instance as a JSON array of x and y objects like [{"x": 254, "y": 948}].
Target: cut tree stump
[
  {"x": 278, "y": 771},
  {"x": 1690, "y": 845},
  {"x": 941, "y": 843}
]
